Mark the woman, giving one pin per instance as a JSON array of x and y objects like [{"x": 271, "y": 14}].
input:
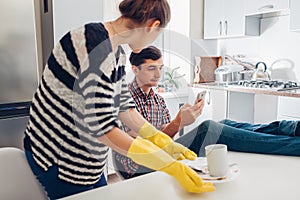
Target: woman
[{"x": 75, "y": 112}]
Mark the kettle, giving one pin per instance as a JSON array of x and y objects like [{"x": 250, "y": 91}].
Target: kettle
[{"x": 261, "y": 74}]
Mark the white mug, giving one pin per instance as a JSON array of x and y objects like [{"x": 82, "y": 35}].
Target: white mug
[{"x": 217, "y": 160}]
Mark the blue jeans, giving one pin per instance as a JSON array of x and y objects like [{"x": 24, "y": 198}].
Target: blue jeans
[
  {"x": 55, "y": 187},
  {"x": 275, "y": 138}
]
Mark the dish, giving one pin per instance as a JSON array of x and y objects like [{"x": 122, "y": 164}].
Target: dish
[{"x": 200, "y": 166}]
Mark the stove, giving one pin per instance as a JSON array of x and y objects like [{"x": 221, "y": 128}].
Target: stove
[{"x": 275, "y": 85}]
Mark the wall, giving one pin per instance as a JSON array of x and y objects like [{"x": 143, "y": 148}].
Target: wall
[
  {"x": 276, "y": 44},
  {"x": 70, "y": 14}
]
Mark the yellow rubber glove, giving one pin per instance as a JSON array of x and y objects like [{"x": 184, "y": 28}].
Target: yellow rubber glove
[
  {"x": 174, "y": 149},
  {"x": 146, "y": 153}
]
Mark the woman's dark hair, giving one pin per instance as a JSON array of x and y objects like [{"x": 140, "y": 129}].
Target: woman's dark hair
[
  {"x": 150, "y": 52},
  {"x": 142, "y": 10}
]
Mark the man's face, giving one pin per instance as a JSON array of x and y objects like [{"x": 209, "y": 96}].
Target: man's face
[{"x": 149, "y": 73}]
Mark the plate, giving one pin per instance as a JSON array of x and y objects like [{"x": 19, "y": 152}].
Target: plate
[{"x": 200, "y": 166}]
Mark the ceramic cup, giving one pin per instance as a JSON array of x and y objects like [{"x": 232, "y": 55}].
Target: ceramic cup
[{"x": 217, "y": 160}]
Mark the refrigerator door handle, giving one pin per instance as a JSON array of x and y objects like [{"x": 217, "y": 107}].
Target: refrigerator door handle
[
  {"x": 46, "y": 6},
  {"x": 14, "y": 110}
]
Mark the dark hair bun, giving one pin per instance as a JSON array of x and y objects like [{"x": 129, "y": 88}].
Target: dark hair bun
[{"x": 142, "y": 10}]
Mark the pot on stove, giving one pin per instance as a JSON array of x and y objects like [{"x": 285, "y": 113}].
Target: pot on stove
[
  {"x": 228, "y": 73},
  {"x": 231, "y": 74},
  {"x": 261, "y": 73}
]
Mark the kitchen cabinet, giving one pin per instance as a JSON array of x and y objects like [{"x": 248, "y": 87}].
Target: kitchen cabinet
[
  {"x": 252, "y": 108},
  {"x": 187, "y": 18},
  {"x": 225, "y": 18},
  {"x": 109, "y": 168},
  {"x": 174, "y": 101},
  {"x": 289, "y": 108},
  {"x": 215, "y": 106},
  {"x": 254, "y": 7},
  {"x": 294, "y": 15}
]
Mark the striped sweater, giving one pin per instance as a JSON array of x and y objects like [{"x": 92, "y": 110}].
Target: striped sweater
[{"x": 81, "y": 92}]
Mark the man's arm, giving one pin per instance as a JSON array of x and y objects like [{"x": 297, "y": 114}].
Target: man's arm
[
  {"x": 186, "y": 116},
  {"x": 173, "y": 127}
]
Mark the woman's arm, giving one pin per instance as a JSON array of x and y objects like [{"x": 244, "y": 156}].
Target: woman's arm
[
  {"x": 117, "y": 140},
  {"x": 132, "y": 119}
]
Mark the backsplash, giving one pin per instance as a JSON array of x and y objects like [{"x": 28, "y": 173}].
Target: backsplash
[{"x": 277, "y": 46}]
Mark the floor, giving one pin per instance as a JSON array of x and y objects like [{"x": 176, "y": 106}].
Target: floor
[{"x": 113, "y": 178}]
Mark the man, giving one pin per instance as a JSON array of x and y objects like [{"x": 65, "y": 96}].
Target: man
[{"x": 274, "y": 138}]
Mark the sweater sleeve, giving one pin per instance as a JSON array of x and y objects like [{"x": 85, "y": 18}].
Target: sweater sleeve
[{"x": 98, "y": 81}]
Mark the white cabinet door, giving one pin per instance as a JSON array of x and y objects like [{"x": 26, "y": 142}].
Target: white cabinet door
[
  {"x": 289, "y": 107},
  {"x": 215, "y": 106},
  {"x": 234, "y": 20},
  {"x": 213, "y": 18},
  {"x": 187, "y": 18},
  {"x": 253, "y": 7},
  {"x": 252, "y": 108},
  {"x": 225, "y": 18},
  {"x": 218, "y": 102},
  {"x": 295, "y": 15},
  {"x": 174, "y": 102}
]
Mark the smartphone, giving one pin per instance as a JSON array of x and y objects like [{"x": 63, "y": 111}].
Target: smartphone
[{"x": 200, "y": 95}]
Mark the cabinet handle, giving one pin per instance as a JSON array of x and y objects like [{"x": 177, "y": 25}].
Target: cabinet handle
[
  {"x": 226, "y": 27},
  {"x": 209, "y": 98},
  {"x": 270, "y": 6},
  {"x": 46, "y": 6},
  {"x": 220, "y": 27}
]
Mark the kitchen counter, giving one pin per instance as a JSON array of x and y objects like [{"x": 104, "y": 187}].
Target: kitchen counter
[
  {"x": 235, "y": 88},
  {"x": 260, "y": 177}
]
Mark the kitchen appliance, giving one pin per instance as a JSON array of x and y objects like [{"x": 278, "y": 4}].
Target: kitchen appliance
[
  {"x": 261, "y": 73},
  {"x": 275, "y": 85},
  {"x": 29, "y": 29},
  {"x": 231, "y": 73}
]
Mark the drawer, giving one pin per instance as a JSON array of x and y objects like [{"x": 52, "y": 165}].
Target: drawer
[{"x": 289, "y": 107}]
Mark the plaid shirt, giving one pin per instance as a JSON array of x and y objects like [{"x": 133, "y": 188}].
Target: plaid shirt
[
  {"x": 152, "y": 106},
  {"x": 154, "y": 109}
]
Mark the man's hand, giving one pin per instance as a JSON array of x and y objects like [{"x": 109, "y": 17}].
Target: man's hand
[{"x": 188, "y": 114}]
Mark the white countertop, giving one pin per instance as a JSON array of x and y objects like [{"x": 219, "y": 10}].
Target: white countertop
[
  {"x": 234, "y": 88},
  {"x": 261, "y": 177}
]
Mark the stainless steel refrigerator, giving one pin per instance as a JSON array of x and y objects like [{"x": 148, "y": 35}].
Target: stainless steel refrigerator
[{"x": 28, "y": 31}]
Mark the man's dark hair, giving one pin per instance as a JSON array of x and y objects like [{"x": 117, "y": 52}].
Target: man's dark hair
[{"x": 150, "y": 52}]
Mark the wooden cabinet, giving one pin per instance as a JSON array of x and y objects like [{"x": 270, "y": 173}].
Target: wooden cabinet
[
  {"x": 225, "y": 18},
  {"x": 294, "y": 15},
  {"x": 253, "y": 7},
  {"x": 215, "y": 106}
]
